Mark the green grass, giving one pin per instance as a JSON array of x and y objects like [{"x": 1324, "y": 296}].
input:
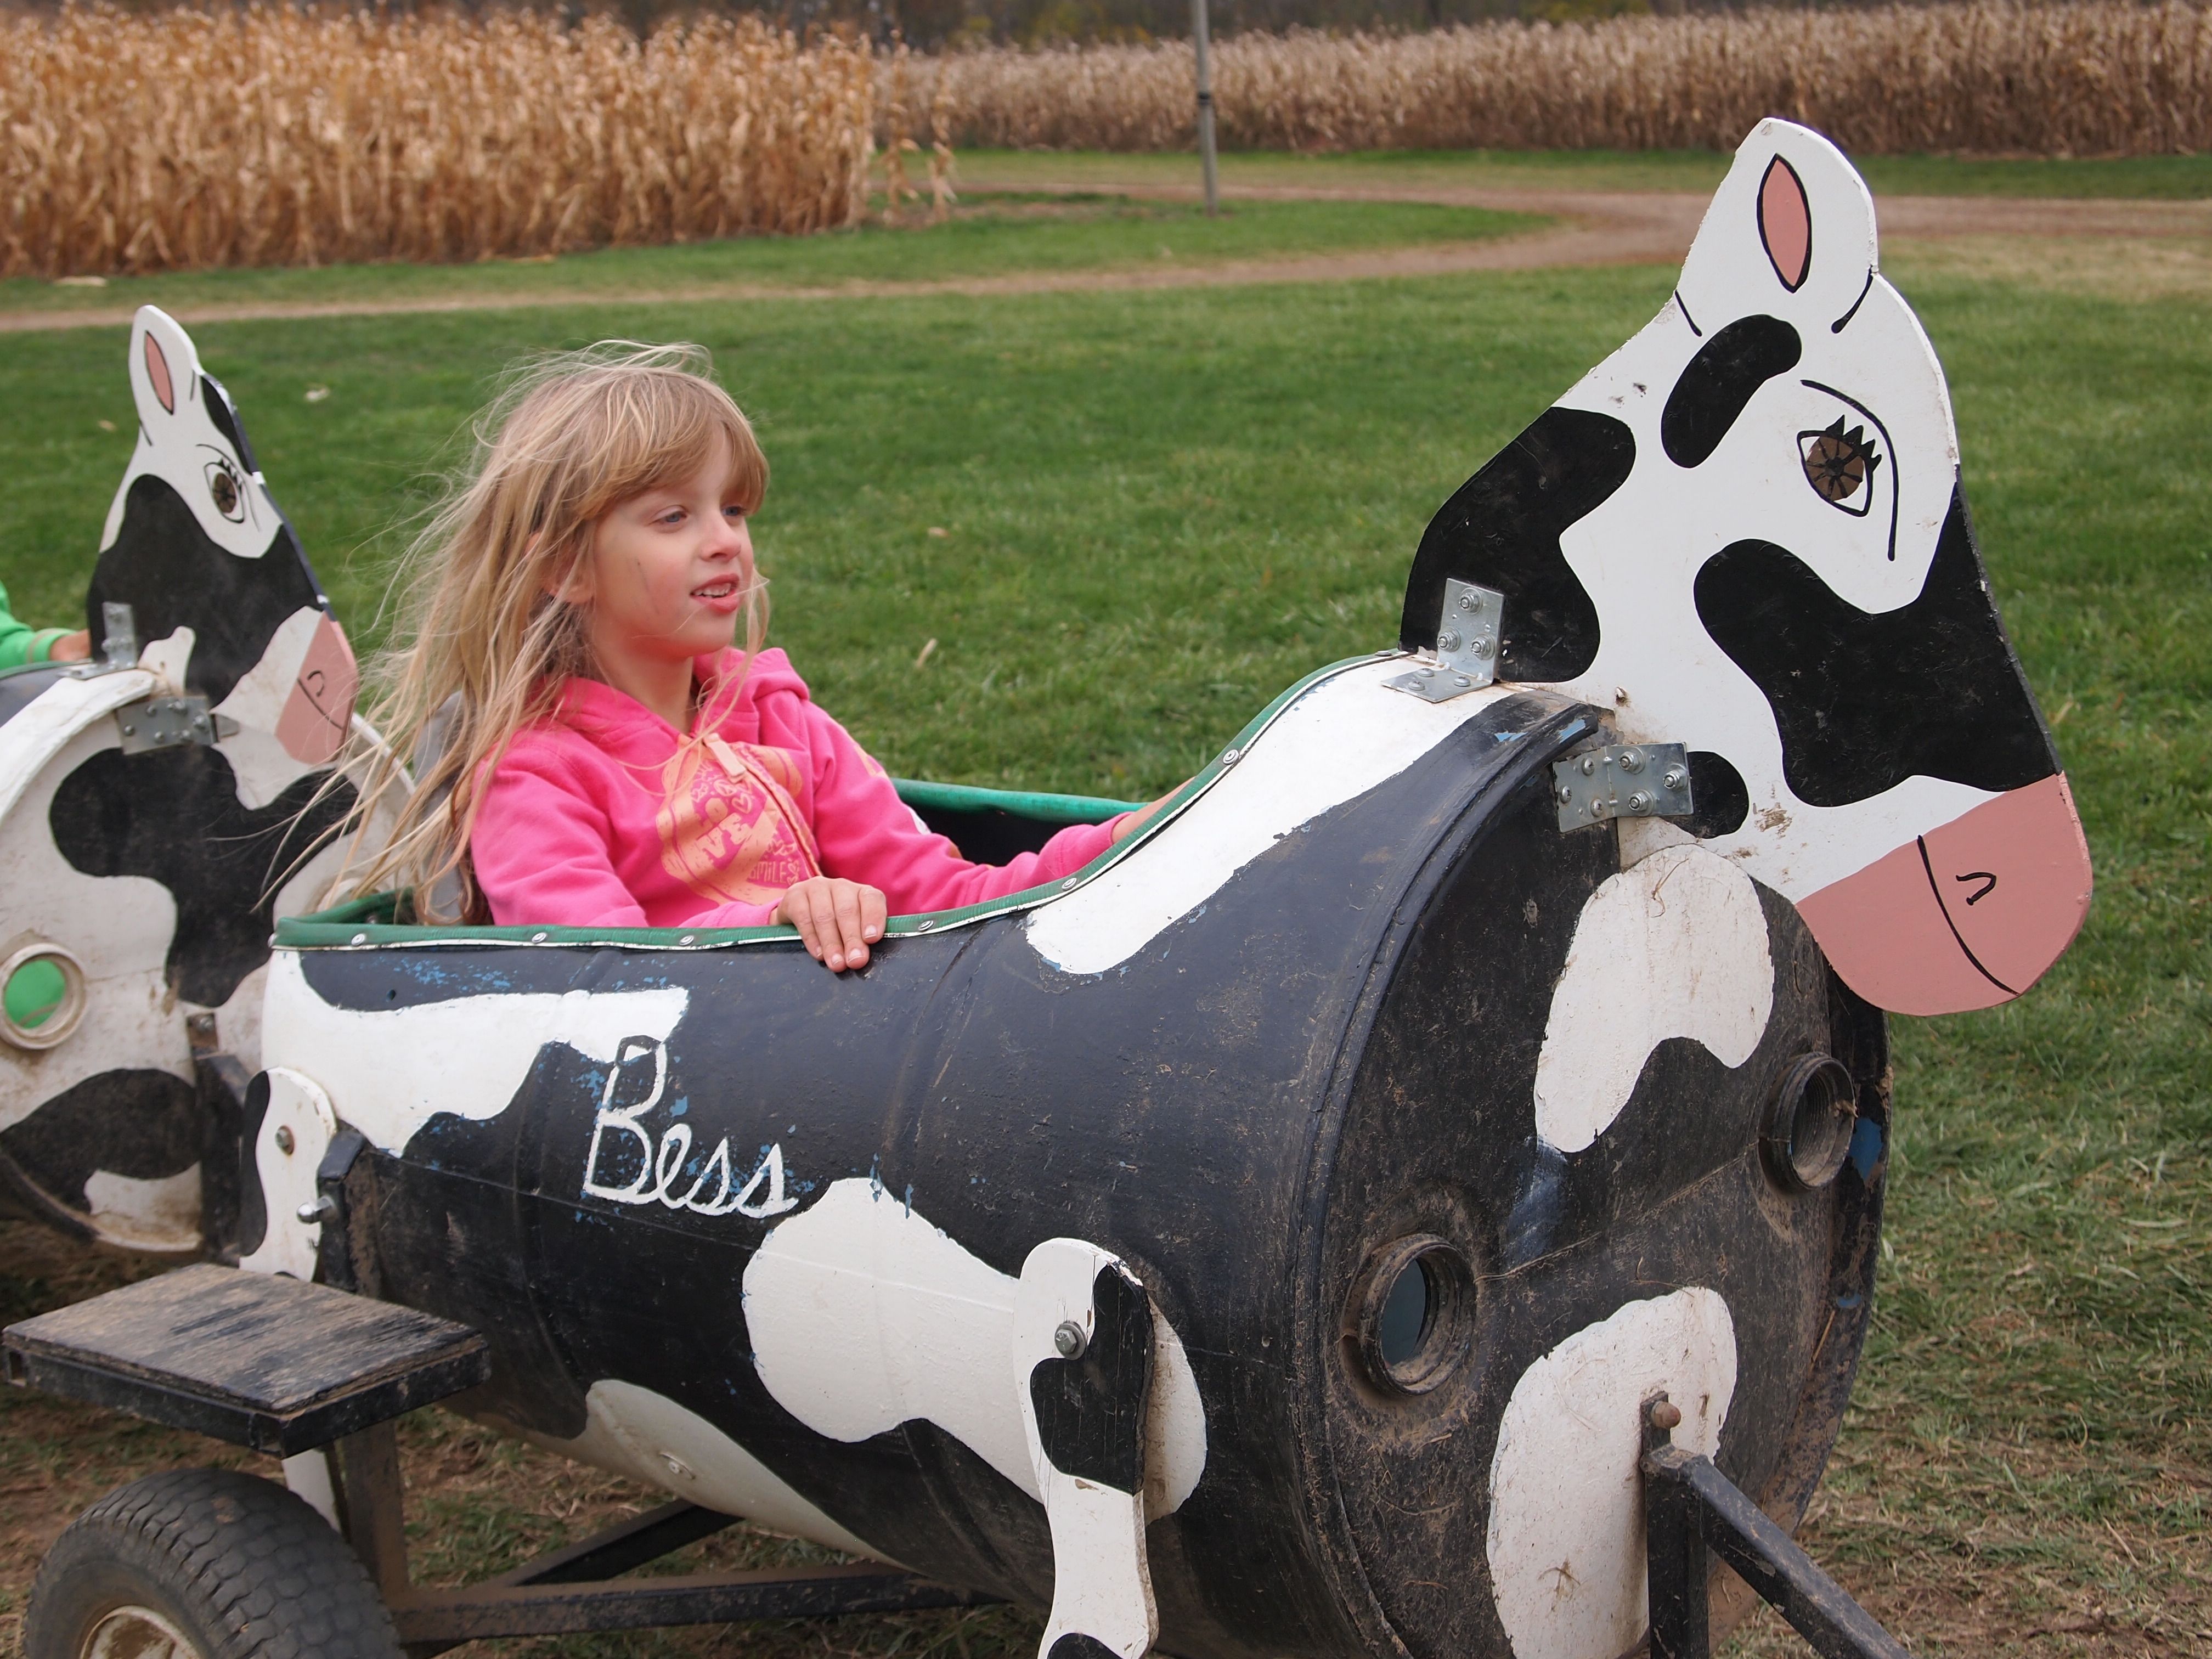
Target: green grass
[
  {"x": 1002, "y": 234},
  {"x": 1698, "y": 171},
  {"x": 1160, "y": 507}
]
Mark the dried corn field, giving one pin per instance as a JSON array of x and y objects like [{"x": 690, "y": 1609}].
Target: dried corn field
[
  {"x": 138, "y": 142},
  {"x": 1988, "y": 77}
]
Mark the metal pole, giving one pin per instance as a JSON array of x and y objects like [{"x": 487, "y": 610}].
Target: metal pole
[{"x": 1198, "y": 33}]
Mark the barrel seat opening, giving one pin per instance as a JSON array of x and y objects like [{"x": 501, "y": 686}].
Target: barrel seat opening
[{"x": 988, "y": 825}]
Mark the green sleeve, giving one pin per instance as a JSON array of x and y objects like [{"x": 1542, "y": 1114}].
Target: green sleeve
[{"x": 15, "y": 637}]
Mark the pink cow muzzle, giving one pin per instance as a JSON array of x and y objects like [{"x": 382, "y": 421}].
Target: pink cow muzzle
[
  {"x": 319, "y": 711},
  {"x": 1966, "y": 916}
]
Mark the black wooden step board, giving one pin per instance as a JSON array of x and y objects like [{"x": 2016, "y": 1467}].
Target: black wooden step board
[{"x": 253, "y": 1358}]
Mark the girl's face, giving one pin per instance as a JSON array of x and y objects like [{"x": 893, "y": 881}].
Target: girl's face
[{"x": 666, "y": 576}]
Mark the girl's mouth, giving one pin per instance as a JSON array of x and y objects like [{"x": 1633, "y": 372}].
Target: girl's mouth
[{"x": 721, "y": 596}]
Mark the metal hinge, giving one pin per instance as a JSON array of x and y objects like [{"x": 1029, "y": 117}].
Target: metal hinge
[
  {"x": 171, "y": 722},
  {"x": 1466, "y": 657},
  {"x": 1625, "y": 781},
  {"x": 118, "y": 644}
]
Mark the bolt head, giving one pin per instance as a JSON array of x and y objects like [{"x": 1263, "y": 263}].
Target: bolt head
[
  {"x": 1664, "y": 1414},
  {"x": 1448, "y": 640},
  {"x": 1470, "y": 601},
  {"x": 1069, "y": 1341},
  {"x": 1640, "y": 802},
  {"x": 1629, "y": 760},
  {"x": 1672, "y": 777},
  {"x": 284, "y": 1142},
  {"x": 316, "y": 1209},
  {"x": 1483, "y": 647}
]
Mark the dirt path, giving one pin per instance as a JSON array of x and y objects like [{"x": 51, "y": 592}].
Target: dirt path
[{"x": 1588, "y": 228}]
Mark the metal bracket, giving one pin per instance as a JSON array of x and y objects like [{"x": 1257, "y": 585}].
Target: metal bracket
[
  {"x": 171, "y": 722},
  {"x": 1466, "y": 657},
  {"x": 1623, "y": 780},
  {"x": 118, "y": 644},
  {"x": 1692, "y": 1512}
]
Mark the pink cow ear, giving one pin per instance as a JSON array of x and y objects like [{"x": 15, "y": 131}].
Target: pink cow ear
[
  {"x": 157, "y": 373},
  {"x": 1785, "y": 223}
]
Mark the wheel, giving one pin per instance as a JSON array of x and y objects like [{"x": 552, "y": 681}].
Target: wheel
[{"x": 204, "y": 1564}]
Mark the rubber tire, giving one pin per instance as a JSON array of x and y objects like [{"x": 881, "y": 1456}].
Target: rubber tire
[{"x": 240, "y": 1565}]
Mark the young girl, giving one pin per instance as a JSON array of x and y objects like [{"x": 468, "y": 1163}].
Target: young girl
[{"x": 608, "y": 758}]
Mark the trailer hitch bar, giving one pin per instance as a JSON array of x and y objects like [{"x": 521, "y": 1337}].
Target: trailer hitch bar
[{"x": 1691, "y": 1508}]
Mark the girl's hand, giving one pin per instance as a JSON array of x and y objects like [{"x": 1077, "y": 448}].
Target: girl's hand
[
  {"x": 1143, "y": 816},
  {"x": 836, "y": 919}
]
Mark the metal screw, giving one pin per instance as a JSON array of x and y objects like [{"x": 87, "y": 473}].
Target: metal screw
[
  {"x": 1482, "y": 647},
  {"x": 1566, "y": 793},
  {"x": 1589, "y": 766},
  {"x": 284, "y": 1139},
  {"x": 1640, "y": 802},
  {"x": 1448, "y": 639},
  {"x": 1070, "y": 1340},
  {"x": 1629, "y": 760},
  {"x": 317, "y": 1209},
  {"x": 1427, "y": 673},
  {"x": 1470, "y": 601},
  {"x": 130, "y": 730},
  {"x": 1461, "y": 681},
  {"x": 1672, "y": 777}
]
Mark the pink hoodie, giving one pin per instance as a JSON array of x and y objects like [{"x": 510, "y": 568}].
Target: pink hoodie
[{"x": 604, "y": 816}]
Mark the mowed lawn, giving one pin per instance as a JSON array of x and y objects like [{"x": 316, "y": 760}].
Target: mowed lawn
[{"x": 1127, "y": 519}]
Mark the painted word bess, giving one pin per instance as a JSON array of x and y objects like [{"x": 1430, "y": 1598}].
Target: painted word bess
[{"x": 1269, "y": 1241}]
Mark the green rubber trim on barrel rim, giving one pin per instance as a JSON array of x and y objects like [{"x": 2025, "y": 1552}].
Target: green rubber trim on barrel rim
[{"x": 356, "y": 924}]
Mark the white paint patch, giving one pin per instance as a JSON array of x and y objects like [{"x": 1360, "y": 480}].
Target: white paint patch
[
  {"x": 256, "y": 702},
  {"x": 160, "y": 1216},
  {"x": 864, "y": 1316},
  {"x": 1566, "y": 1542},
  {"x": 1340, "y": 739},
  {"x": 308, "y": 1475},
  {"x": 1674, "y": 946},
  {"x": 120, "y": 927},
  {"x": 634, "y": 1431},
  {"x": 392, "y": 1071},
  {"x": 296, "y": 1130},
  {"x": 1101, "y": 1581},
  {"x": 170, "y": 658}
]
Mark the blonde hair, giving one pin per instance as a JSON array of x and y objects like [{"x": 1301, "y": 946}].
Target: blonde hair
[{"x": 484, "y": 645}]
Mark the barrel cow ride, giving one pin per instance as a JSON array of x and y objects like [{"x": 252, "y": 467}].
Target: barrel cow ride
[
  {"x": 1270, "y": 1239},
  {"x": 158, "y": 806}
]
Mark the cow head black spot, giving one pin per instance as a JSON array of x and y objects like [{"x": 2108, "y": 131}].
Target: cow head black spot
[
  {"x": 173, "y": 817},
  {"x": 1502, "y": 528},
  {"x": 1720, "y": 380},
  {"x": 1090, "y": 1409},
  {"x": 1864, "y": 700}
]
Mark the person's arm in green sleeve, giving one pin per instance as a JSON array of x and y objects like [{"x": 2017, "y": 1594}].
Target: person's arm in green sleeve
[{"x": 21, "y": 643}]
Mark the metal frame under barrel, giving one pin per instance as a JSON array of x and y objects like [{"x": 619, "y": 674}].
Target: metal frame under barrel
[{"x": 284, "y": 1367}]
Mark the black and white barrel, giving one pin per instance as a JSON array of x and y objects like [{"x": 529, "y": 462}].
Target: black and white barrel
[{"x": 1432, "y": 1140}]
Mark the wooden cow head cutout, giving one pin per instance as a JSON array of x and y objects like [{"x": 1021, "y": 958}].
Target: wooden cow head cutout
[
  {"x": 1744, "y": 531},
  {"x": 196, "y": 545}
]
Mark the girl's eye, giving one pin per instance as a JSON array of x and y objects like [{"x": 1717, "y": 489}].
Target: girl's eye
[{"x": 1840, "y": 466}]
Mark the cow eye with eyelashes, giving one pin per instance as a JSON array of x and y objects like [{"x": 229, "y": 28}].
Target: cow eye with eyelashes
[
  {"x": 1840, "y": 466},
  {"x": 225, "y": 490}
]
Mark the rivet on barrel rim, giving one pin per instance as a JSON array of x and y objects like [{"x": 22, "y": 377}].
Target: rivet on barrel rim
[
  {"x": 1410, "y": 1317},
  {"x": 1810, "y": 1117}
]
